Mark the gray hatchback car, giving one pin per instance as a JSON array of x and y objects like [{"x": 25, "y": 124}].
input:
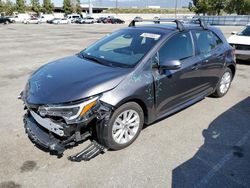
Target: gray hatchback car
[{"x": 132, "y": 77}]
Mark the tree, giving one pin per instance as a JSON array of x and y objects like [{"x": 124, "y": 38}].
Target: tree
[
  {"x": 199, "y": 6},
  {"x": 48, "y": 7},
  {"x": 35, "y": 6},
  {"x": 20, "y": 6},
  {"x": 215, "y": 6},
  {"x": 1, "y": 6},
  {"x": 237, "y": 6},
  {"x": 229, "y": 6},
  {"x": 78, "y": 8},
  {"x": 67, "y": 7},
  {"x": 9, "y": 8}
]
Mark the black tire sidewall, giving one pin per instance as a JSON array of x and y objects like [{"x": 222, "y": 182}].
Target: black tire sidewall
[{"x": 105, "y": 128}]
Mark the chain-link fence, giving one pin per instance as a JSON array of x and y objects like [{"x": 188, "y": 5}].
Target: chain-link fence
[{"x": 226, "y": 20}]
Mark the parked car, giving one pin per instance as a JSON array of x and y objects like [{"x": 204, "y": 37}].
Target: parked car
[
  {"x": 241, "y": 42},
  {"x": 5, "y": 20},
  {"x": 86, "y": 20},
  {"x": 129, "y": 78},
  {"x": 138, "y": 19},
  {"x": 32, "y": 20},
  {"x": 156, "y": 20},
  {"x": 100, "y": 20},
  {"x": 45, "y": 18},
  {"x": 61, "y": 21},
  {"x": 51, "y": 21},
  {"x": 113, "y": 21},
  {"x": 73, "y": 17}
]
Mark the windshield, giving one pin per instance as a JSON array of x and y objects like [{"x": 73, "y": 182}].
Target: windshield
[
  {"x": 124, "y": 48},
  {"x": 245, "y": 32}
]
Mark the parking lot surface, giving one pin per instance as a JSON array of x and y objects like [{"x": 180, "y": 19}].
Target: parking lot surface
[{"x": 205, "y": 145}]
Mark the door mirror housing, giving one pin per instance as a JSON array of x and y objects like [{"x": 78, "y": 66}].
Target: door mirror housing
[{"x": 170, "y": 65}]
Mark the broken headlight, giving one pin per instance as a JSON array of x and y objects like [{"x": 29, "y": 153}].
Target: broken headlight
[{"x": 70, "y": 113}]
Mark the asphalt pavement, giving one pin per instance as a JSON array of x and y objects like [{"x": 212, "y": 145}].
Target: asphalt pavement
[{"x": 205, "y": 145}]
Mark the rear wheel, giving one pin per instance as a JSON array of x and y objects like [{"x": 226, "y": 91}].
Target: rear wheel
[
  {"x": 123, "y": 128},
  {"x": 224, "y": 84},
  {"x": 6, "y": 22}
]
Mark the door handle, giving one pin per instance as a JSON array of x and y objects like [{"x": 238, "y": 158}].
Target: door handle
[{"x": 206, "y": 61}]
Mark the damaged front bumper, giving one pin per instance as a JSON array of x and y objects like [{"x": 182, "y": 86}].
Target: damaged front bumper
[
  {"x": 39, "y": 136},
  {"x": 55, "y": 137}
]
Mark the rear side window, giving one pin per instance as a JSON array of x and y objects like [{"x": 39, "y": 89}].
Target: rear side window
[
  {"x": 206, "y": 41},
  {"x": 178, "y": 47}
]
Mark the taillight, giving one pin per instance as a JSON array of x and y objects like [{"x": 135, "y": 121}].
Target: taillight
[{"x": 233, "y": 54}]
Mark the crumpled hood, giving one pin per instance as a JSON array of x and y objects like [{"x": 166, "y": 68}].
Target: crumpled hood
[
  {"x": 236, "y": 39},
  {"x": 70, "y": 79}
]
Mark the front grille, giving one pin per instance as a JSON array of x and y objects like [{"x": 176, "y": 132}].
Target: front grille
[{"x": 241, "y": 46}]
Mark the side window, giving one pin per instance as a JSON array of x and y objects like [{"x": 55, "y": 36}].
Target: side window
[
  {"x": 178, "y": 47},
  {"x": 206, "y": 41},
  {"x": 217, "y": 40}
]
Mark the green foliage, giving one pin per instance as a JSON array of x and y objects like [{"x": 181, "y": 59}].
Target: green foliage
[
  {"x": 47, "y": 7},
  {"x": 67, "y": 7},
  {"x": 78, "y": 8},
  {"x": 7, "y": 7},
  {"x": 212, "y": 7},
  {"x": 35, "y": 6},
  {"x": 146, "y": 10},
  {"x": 20, "y": 6},
  {"x": 239, "y": 7}
]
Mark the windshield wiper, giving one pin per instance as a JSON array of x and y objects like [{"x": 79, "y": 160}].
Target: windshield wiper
[{"x": 92, "y": 58}]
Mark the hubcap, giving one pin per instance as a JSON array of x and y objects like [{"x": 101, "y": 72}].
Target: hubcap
[
  {"x": 125, "y": 126},
  {"x": 225, "y": 82}
]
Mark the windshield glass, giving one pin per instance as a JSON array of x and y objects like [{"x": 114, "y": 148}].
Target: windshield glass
[
  {"x": 245, "y": 32},
  {"x": 124, "y": 48}
]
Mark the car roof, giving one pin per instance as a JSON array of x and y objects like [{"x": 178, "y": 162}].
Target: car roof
[{"x": 170, "y": 27}]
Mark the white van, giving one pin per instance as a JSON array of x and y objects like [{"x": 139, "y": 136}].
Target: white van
[
  {"x": 73, "y": 17},
  {"x": 20, "y": 18},
  {"x": 45, "y": 17}
]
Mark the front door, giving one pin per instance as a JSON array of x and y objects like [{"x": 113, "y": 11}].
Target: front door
[{"x": 175, "y": 87}]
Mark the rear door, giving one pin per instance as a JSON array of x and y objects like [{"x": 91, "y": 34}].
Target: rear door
[
  {"x": 175, "y": 87},
  {"x": 212, "y": 55}
]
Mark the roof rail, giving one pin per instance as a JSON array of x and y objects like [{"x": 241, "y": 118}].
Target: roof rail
[
  {"x": 179, "y": 25},
  {"x": 202, "y": 24}
]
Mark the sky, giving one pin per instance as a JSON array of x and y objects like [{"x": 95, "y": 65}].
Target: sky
[{"x": 129, "y": 3}]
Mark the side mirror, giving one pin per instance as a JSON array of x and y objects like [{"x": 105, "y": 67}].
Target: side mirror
[
  {"x": 234, "y": 32},
  {"x": 170, "y": 65}
]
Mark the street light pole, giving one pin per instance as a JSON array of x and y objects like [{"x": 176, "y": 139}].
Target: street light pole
[
  {"x": 175, "y": 11},
  {"x": 90, "y": 8},
  {"x": 116, "y": 6}
]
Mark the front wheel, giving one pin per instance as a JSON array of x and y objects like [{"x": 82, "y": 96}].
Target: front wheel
[
  {"x": 224, "y": 84},
  {"x": 123, "y": 127}
]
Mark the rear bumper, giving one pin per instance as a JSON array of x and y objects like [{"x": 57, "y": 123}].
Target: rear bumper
[{"x": 40, "y": 137}]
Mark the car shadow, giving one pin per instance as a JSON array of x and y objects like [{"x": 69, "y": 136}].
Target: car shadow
[
  {"x": 224, "y": 158},
  {"x": 242, "y": 62}
]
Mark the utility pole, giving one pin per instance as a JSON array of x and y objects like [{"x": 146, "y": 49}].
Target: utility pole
[
  {"x": 116, "y": 6},
  {"x": 175, "y": 10},
  {"x": 90, "y": 8}
]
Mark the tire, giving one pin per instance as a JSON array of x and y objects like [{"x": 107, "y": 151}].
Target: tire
[
  {"x": 6, "y": 22},
  {"x": 224, "y": 83},
  {"x": 116, "y": 138}
]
